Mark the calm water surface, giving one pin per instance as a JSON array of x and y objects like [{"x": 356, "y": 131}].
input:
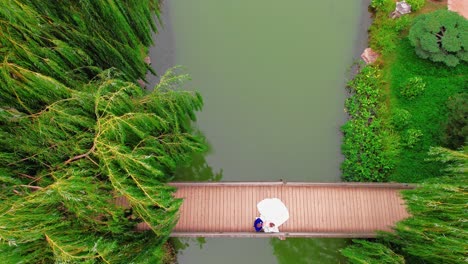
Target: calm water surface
[{"x": 272, "y": 75}]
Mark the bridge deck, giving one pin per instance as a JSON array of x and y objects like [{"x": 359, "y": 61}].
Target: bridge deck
[{"x": 316, "y": 209}]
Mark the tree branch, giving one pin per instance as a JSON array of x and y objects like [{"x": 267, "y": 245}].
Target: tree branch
[
  {"x": 81, "y": 155},
  {"x": 32, "y": 187}
]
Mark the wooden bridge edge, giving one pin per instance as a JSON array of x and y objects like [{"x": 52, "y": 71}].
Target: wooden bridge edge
[
  {"x": 305, "y": 184},
  {"x": 281, "y": 235}
]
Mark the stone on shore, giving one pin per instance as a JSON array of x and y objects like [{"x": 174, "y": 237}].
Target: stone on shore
[{"x": 369, "y": 56}]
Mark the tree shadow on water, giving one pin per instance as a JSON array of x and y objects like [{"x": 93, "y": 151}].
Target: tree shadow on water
[
  {"x": 308, "y": 250},
  {"x": 180, "y": 244},
  {"x": 198, "y": 170}
]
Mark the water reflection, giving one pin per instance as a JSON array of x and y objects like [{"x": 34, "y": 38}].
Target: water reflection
[
  {"x": 307, "y": 250},
  {"x": 180, "y": 244},
  {"x": 198, "y": 170}
]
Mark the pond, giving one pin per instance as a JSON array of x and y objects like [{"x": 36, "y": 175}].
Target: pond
[{"x": 272, "y": 75}]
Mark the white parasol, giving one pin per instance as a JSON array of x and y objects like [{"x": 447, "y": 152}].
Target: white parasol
[{"x": 272, "y": 210}]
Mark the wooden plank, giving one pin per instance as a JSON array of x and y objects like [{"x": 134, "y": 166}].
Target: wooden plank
[
  {"x": 382, "y": 203},
  {"x": 273, "y": 235},
  {"x": 306, "y": 184},
  {"x": 346, "y": 205},
  {"x": 314, "y": 209},
  {"x": 360, "y": 210}
]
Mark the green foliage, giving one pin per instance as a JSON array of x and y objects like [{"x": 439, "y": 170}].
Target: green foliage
[
  {"x": 456, "y": 161},
  {"x": 365, "y": 252},
  {"x": 441, "y": 36},
  {"x": 416, "y": 4},
  {"x": 456, "y": 129},
  {"x": 64, "y": 164},
  {"x": 413, "y": 87},
  {"x": 72, "y": 41},
  {"x": 428, "y": 113},
  {"x": 367, "y": 143},
  {"x": 411, "y": 137},
  {"x": 386, "y": 32},
  {"x": 74, "y": 137},
  {"x": 436, "y": 232},
  {"x": 383, "y": 5},
  {"x": 401, "y": 119}
]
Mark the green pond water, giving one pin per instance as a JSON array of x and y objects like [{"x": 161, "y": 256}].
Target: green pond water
[{"x": 272, "y": 75}]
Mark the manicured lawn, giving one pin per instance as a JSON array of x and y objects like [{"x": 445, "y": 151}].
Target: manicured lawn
[{"x": 428, "y": 110}]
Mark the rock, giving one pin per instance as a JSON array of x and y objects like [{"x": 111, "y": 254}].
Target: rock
[
  {"x": 401, "y": 9},
  {"x": 369, "y": 56},
  {"x": 141, "y": 83},
  {"x": 148, "y": 60}
]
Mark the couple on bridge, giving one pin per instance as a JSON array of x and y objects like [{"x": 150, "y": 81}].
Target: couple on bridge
[{"x": 273, "y": 213}]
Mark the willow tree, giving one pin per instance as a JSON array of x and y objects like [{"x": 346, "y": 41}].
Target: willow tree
[
  {"x": 66, "y": 154},
  {"x": 437, "y": 231},
  {"x": 74, "y": 40}
]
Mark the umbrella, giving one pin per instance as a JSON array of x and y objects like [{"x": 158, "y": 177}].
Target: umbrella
[{"x": 273, "y": 210}]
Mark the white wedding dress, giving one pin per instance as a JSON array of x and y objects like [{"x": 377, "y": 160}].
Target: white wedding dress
[{"x": 272, "y": 210}]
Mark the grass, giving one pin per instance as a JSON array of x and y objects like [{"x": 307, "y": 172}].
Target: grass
[{"x": 428, "y": 111}]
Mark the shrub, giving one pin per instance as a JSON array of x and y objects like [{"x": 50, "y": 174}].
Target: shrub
[
  {"x": 367, "y": 152},
  {"x": 402, "y": 23},
  {"x": 411, "y": 137},
  {"x": 383, "y": 5},
  {"x": 456, "y": 129},
  {"x": 413, "y": 87},
  {"x": 441, "y": 36},
  {"x": 401, "y": 119},
  {"x": 385, "y": 32},
  {"x": 416, "y": 4}
]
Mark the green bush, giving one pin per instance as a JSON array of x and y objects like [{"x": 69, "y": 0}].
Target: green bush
[
  {"x": 411, "y": 137},
  {"x": 428, "y": 112},
  {"x": 368, "y": 156},
  {"x": 413, "y": 87},
  {"x": 383, "y": 5},
  {"x": 416, "y": 4},
  {"x": 402, "y": 23},
  {"x": 385, "y": 32},
  {"x": 441, "y": 36},
  {"x": 456, "y": 129},
  {"x": 401, "y": 119}
]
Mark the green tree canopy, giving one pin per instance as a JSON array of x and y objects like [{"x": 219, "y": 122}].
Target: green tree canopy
[
  {"x": 75, "y": 137},
  {"x": 73, "y": 41},
  {"x": 437, "y": 231},
  {"x": 441, "y": 36},
  {"x": 63, "y": 165}
]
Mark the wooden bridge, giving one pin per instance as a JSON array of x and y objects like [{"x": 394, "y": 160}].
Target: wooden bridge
[{"x": 346, "y": 210}]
